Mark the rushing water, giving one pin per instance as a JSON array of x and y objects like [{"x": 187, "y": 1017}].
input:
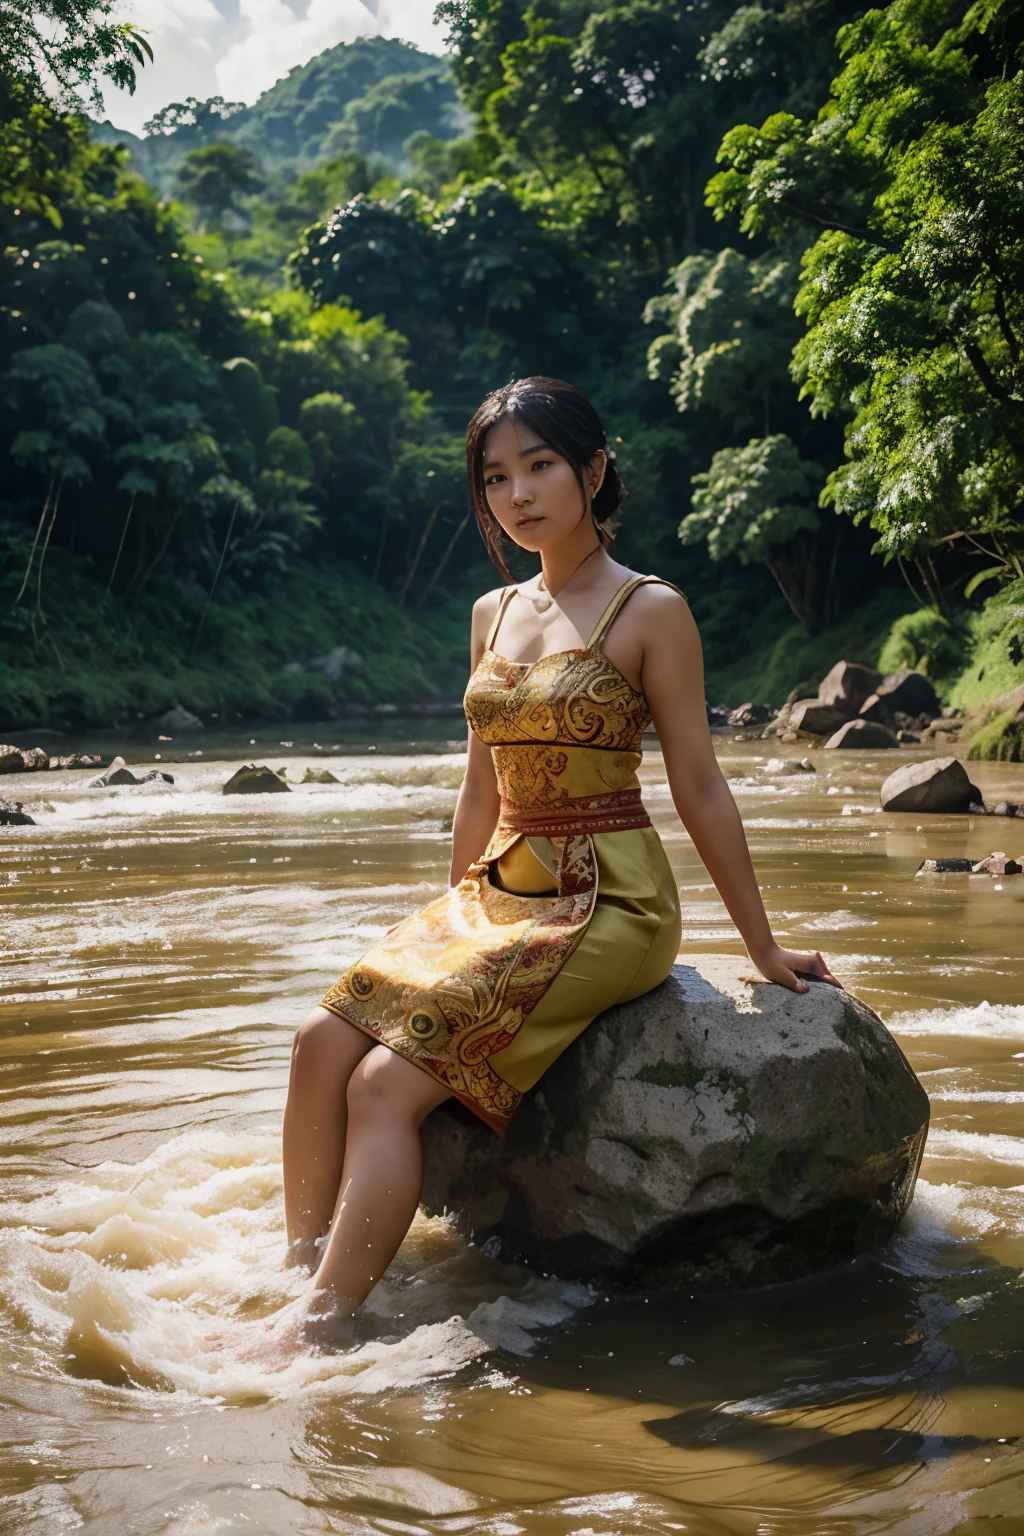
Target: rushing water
[{"x": 159, "y": 946}]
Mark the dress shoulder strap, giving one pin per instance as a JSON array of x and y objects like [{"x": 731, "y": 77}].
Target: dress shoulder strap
[
  {"x": 617, "y": 604},
  {"x": 492, "y": 634}
]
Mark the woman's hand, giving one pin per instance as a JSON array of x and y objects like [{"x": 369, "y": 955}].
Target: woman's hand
[{"x": 782, "y": 965}]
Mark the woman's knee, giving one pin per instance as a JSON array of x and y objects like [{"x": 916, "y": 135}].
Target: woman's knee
[
  {"x": 323, "y": 1038},
  {"x": 385, "y": 1085}
]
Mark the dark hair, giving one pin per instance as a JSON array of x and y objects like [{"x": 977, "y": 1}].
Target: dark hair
[{"x": 562, "y": 417}]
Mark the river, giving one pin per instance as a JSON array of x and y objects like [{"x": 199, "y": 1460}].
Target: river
[{"x": 160, "y": 945}]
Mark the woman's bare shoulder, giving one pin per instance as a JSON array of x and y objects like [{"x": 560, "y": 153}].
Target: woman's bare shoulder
[
  {"x": 486, "y": 606},
  {"x": 660, "y": 599}
]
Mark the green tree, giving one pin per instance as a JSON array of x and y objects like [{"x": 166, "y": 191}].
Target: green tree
[
  {"x": 69, "y": 47},
  {"x": 907, "y": 187},
  {"x": 215, "y": 181},
  {"x": 757, "y": 503}
]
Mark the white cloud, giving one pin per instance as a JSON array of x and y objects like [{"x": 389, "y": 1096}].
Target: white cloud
[{"x": 200, "y": 51}]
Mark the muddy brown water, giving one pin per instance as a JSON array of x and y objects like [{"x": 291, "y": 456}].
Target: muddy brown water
[{"x": 158, "y": 947}]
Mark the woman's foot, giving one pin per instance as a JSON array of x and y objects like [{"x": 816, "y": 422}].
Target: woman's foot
[{"x": 313, "y": 1321}]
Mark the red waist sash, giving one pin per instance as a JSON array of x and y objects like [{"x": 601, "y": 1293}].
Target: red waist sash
[{"x": 620, "y": 811}]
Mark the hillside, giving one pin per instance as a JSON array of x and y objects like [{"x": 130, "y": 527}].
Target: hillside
[{"x": 367, "y": 96}]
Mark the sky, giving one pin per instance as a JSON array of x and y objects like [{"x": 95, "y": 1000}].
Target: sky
[{"x": 238, "y": 48}]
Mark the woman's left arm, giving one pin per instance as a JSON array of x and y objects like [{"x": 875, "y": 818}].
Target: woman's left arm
[{"x": 673, "y": 682}]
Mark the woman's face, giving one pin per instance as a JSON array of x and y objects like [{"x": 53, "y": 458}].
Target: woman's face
[{"x": 531, "y": 490}]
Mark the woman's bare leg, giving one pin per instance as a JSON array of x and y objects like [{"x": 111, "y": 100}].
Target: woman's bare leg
[
  {"x": 388, "y": 1098},
  {"x": 326, "y": 1052}
]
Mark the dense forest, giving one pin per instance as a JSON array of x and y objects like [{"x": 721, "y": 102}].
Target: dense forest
[{"x": 780, "y": 245}]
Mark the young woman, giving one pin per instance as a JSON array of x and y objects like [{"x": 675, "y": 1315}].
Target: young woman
[{"x": 562, "y": 901}]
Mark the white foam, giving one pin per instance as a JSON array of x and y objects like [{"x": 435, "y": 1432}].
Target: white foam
[
  {"x": 985, "y": 1021},
  {"x": 126, "y": 1269},
  {"x": 964, "y": 1145}
]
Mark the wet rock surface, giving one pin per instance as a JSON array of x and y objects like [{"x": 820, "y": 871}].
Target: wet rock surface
[
  {"x": 940, "y": 786},
  {"x": 118, "y": 776},
  {"x": 864, "y": 734},
  {"x": 848, "y": 685},
  {"x": 718, "y": 1130},
  {"x": 256, "y": 779},
  {"x": 12, "y": 815}
]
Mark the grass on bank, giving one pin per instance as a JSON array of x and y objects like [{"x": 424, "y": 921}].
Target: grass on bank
[{"x": 90, "y": 659}]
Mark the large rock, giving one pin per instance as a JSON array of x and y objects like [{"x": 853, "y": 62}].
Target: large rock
[
  {"x": 848, "y": 685},
  {"x": 901, "y": 693},
  {"x": 812, "y": 716},
  {"x": 179, "y": 721},
  {"x": 718, "y": 1129},
  {"x": 939, "y": 785},
  {"x": 256, "y": 779},
  {"x": 863, "y": 734}
]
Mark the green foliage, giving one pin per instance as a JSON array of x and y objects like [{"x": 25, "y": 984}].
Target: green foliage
[
  {"x": 786, "y": 660},
  {"x": 215, "y": 181},
  {"x": 733, "y": 329},
  {"x": 369, "y": 95},
  {"x": 925, "y": 641},
  {"x": 67, "y": 47},
  {"x": 753, "y": 499},
  {"x": 997, "y": 650},
  {"x": 757, "y": 503},
  {"x": 912, "y": 292},
  {"x": 1000, "y": 740}
]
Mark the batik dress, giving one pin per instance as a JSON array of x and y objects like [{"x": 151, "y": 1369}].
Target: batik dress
[{"x": 573, "y": 906}]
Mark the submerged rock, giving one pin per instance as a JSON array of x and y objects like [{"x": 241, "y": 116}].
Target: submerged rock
[
  {"x": 319, "y": 776},
  {"x": 864, "y": 734},
  {"x": 118, "y": 776},
  {"x": 939, "y": 785},
  {"x": 945, "y": 867},
  {"x": 256, "y": 779},
  {"x": 178, "y": 721},
  {"x": 12, "y": 815},
  {"x": 719, "y": 1126}
]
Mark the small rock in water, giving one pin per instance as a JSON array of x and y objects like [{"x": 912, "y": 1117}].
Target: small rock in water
[
  {"x": 908, "y": 739},
  {"x": 946, "y": 867},
  {"x": 118, "y": 776},
  {"x": 1006, "y": 808},
  {"x": 681, "y": 1360},
  {"x": 996, "y": 864},
  {"x": 319, "y": 776},
  {"x": 75, "y": 760},
  {"x": 255, "y": 779},
  {"x": 178, "y": 720},
  {"x": 11, "y": 760},
  {"x": 12, "y": 815}
]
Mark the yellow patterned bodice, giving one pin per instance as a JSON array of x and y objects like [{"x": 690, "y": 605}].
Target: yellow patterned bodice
[{"x": 564, "y": 732}]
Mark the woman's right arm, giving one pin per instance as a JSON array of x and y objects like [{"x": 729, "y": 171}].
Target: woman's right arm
[{"x": 479, "y": 802}]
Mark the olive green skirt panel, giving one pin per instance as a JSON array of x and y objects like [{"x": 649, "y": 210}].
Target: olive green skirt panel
[{"x": 629, "y": 946}]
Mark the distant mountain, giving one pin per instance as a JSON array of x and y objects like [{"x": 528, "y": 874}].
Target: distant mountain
[{"x": 370, "y": 95}]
